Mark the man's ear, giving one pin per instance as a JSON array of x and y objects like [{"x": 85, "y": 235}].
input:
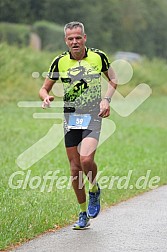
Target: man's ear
[{"x": 85, "y": 37}]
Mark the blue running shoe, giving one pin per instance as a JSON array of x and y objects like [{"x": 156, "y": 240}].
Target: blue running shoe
[
  {"x": 83, "y": 221},
  {"x": 94, "y": 204}
]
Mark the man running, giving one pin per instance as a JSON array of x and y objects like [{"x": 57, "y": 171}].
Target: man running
[{"x": 80, "y": 70}]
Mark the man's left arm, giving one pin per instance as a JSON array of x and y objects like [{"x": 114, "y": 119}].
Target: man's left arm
[{"x": 105, "y": 103}]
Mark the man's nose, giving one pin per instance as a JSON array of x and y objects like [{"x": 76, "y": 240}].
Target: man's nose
[{"x": 74, "y": 40}]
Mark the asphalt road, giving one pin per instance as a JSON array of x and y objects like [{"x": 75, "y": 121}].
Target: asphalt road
[{"x": 137, "y": 225}]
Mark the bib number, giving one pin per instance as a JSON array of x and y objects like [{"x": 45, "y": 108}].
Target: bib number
[{"x": 79, "y": 121}]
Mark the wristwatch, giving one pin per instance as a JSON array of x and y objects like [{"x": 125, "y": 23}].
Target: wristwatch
[{"x": 108, "y": 99}]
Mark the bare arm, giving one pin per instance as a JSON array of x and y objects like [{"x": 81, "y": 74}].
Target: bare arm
[
  {"x": 111, "y": 82},
  {"x": 44, "y": 92},
  {"x": 104, "y": 105}
]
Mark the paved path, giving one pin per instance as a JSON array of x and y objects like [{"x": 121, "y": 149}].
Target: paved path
[{"x": 137, "y": 225}]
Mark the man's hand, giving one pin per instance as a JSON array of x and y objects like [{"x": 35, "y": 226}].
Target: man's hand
[
  {"x": 46, "y": 101},
  {"x": 104, "y": 108}
]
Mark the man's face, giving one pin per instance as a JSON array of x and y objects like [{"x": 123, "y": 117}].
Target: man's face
[{"x": 75, "y": 40}]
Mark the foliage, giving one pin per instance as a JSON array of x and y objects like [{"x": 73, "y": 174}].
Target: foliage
[
  {"x": 51, "y": 34},
  {"x": 24, "y": 11},
  {"x": 129, "y": 25},
  {"x": 15, "y": 34},
  {"x": 18, "y": 65}
]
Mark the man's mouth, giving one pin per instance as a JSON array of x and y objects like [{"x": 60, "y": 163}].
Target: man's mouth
[{"x": 75, "y": 46}]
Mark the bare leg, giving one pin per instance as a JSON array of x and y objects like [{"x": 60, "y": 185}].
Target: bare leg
[
  {"x": 87, "y": 151},
  {"x": 76, "y": 170},
  {"x": 82, "y": 160}
]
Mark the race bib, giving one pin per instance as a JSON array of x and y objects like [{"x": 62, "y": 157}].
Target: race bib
[{"x": 79, "y": 121}]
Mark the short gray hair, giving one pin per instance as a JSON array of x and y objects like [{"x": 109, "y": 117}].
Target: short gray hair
[{"x": 74, "y": 24}]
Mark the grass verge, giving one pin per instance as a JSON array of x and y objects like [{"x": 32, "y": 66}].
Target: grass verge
[{"x": 138, "y": 146}]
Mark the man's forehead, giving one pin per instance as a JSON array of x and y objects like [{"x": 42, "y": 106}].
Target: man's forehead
[{"x": 73, "y": 31}]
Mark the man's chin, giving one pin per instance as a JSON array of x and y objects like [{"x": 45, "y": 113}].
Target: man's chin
[{"x": 76, "y": 49}]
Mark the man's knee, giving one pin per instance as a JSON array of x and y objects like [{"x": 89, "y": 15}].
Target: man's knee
[
  {"x": 86, "y": 161},
  {"x": 75, "y": 169}
]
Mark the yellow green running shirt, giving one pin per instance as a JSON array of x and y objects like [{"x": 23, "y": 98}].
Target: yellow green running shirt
[{"x": 81, "y": 79}]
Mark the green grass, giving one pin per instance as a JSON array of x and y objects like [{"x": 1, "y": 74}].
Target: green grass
[{"x": 138, "y": 144}]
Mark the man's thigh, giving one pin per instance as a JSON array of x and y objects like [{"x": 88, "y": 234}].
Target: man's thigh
[{"x": 87, "y": 146}]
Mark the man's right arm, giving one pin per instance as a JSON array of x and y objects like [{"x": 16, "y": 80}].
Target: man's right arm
[{"x": 44, "y": 92}]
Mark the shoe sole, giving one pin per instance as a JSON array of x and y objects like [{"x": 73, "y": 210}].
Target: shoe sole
[
  {"x": 93, "y": 217},
  {"x": 81, "y": 228}
]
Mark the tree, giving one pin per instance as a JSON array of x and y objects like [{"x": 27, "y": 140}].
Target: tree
[
  {"x": 129, "y": 25},
  {"x": 23, "y": 11}
]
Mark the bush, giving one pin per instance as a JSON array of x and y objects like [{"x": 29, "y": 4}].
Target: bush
[
  {"x": 51, "y": 34},
  {"x": 15, "y": 34}
]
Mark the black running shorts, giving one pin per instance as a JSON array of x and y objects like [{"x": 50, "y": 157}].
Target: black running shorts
[{"x": 73, "y": 137}]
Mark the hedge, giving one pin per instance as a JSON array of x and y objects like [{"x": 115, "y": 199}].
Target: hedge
[
  {"x": 51, "y": 34},
  {"x": 15, "y": 34}
]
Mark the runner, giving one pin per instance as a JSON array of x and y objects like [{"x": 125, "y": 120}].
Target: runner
[{"x": 80, "y": 70}]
